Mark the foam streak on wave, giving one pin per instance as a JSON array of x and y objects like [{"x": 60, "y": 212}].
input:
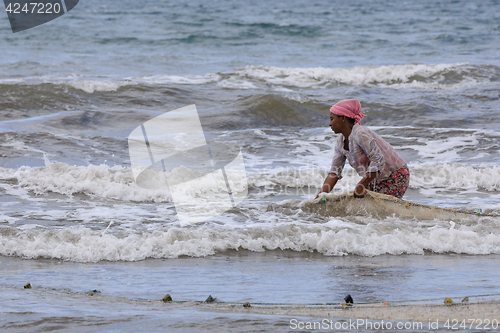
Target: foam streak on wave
[
  {"x": 428, "y": 76},
  {"x": 414, "y": 76},
  {"x": 100, "y": 181},
  {"x": 420, "y": 76},
  {"x": 85, "y": 245},
  {"x": 116, "y": 182},
  {"x": 450, "y": 175},
  {"x": 91, "y": 86},
  {"x": 457, "y": 176}
]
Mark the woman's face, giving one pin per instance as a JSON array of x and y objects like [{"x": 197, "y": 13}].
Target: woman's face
[{"x": 335, "y": 123}]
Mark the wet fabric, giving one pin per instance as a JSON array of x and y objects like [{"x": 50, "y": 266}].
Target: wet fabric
[
  {"x": 396, "y": 185},
  {"x": 368, "y": 152}
]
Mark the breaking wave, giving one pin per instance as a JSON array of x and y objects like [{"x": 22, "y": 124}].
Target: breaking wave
[{"x": 334, "y": 238}]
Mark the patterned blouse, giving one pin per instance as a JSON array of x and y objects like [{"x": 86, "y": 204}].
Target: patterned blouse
[{"x": 367, "y": 152}]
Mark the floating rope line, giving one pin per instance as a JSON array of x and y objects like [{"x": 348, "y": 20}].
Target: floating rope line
[
  {"x": 340, "y": 305},
  {"x": 212, "y": 300}
]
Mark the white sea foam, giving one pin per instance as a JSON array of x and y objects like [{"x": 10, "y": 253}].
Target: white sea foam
[
  {"x": 465, "y": 83},
  {"x": 415, "y": 76},
  {"x": 100, "y": 181},
  {"x": 335, "y": 239},
  {"x": 236, "y": 83},
  {"x": 297, "y": 98},
  {"x": 91, "y": 86},
  {"x": 281, "y": 79},
  {"x": 288, "y": 177},
  {"x": 116, "y": 182},
  {"x": 19, "y": 145},
  {"x": 227, "y": 80},
  {"x": 129, "y": 232},
  {"x": 8, "y": 219},
  {"x": 397, "y": 75},
  {"x": 177, "y": 79},
  {"x": 443, "y": 176},
  {"x": 456, "y": 176},
  {"x": 446, "y": 149}
]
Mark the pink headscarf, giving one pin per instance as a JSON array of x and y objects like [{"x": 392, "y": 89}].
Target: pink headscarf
[{"x": 349, "y": 108}]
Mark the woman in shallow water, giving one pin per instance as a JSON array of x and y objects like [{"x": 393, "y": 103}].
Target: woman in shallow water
[{"x": 381, "y": 167}]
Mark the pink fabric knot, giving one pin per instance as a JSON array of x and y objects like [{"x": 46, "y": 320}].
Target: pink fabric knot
[{"x": 350, "y": 108}]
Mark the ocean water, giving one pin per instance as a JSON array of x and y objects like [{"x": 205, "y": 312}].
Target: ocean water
[{"x": 262, "y": 76}]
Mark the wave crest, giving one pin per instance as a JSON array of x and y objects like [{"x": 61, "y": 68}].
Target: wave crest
[{"x": 332, "y": 239}]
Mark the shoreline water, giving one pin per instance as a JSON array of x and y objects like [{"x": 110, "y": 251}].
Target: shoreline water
[{"x": 132, "y": 291}]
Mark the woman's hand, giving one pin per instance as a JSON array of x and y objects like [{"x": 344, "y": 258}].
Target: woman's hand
[
  {"x": 359, "y": 191},
  {"x": 329, "y": 183}
]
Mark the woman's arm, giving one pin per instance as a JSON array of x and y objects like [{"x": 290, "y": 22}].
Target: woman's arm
[
  {"x": 329, "y": 183},
  {"x": 359, "y": 190}
]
